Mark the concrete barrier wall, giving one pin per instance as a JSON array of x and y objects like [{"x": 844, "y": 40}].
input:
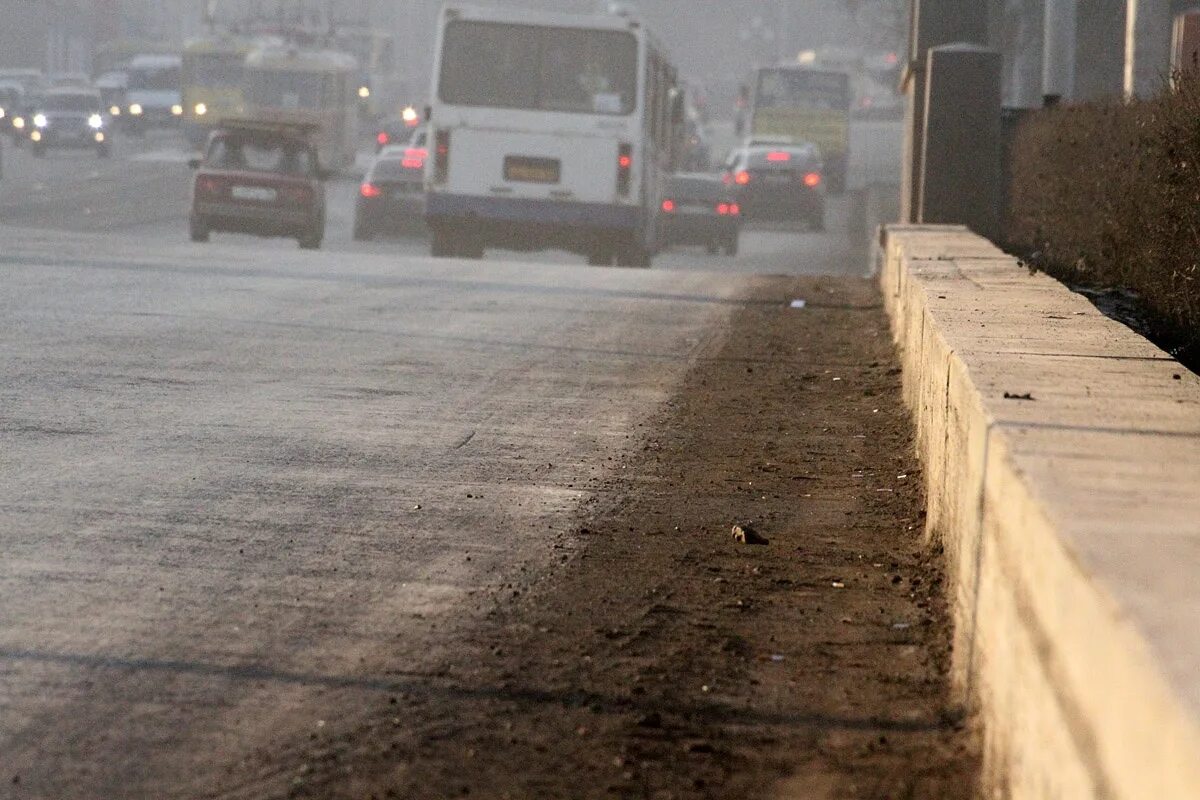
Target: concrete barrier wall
[{"x": 1062, "y": 456}]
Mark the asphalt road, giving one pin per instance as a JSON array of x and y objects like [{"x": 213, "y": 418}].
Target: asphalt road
[{"x": 241, "y": 483}]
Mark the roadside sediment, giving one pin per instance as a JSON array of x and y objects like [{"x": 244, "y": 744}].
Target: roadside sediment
[{"x": 664, "y": 659}]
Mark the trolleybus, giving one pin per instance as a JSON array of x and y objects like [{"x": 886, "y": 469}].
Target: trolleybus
[
  {"x": 549, "y": 131},
  {"x": 307, "y": 87},
  {"x": 214, "y": 79}
]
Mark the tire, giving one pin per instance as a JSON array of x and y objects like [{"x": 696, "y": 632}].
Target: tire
[
  {"x": 310, "y": 239},
  {"x": 731, "y": 247},
  {"x": 816, "y": 222},
  {"x": 39, "y": 151},
  {"x": 103, "y": 152},
  {"x": 712, "y": 248},
  {"x": 198, "y": 230},
  {"x": 600, "y": 256},
  {"x": 363, "y": 233}
]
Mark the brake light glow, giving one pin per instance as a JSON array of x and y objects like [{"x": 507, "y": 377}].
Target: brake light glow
[
  {"x": 209, "y": 186},
  {"x": 624, "y": 168},
  {"x": 779, "y": 157},
  {"x": 812, "y": 180},
  {"x": 668, "y": 206},
  {"x": 741, "y": 178},
  {"x": 369, "y": 190},
  {"x": 414, "y": 158},
  {"x": 735, "y": 210},
  {"x": 382, "y": 138}
]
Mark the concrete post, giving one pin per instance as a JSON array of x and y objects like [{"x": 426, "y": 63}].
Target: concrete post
[
  {"x": 960, "y": 158},
  {"x": 1147, "y": 46},
  {"x": 932, "y": 23},
  {"x": 1099, "y": 49},
  {"x": 1058, "y": 51}
]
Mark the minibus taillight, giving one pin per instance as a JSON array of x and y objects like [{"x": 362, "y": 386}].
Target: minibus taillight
[
  {"x": 441, "y": 157},
  {"x": 624, "y": 168}
]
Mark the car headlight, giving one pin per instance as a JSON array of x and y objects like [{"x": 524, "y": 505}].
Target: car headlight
[
  {"x": 200, "y": 109},
  {"x": 114, "y": 110},
  {"x": 95, "y": 122},
  {"x": 364, "y": 92},
  {"x": 135, "y": 109},
  {"x": 40, "y": 120},
  {"x": 1, "y": 113},
  {"x": 19, "y": 123},
  {"x": 177, "y": 109}
]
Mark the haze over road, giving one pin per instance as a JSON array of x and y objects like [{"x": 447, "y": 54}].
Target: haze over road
[{"x": 249, "y": 492}]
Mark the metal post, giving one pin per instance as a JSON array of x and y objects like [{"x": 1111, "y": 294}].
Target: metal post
[
  {"x": 1147, "y": 46},
  {"x": 1058, "y": 51}
]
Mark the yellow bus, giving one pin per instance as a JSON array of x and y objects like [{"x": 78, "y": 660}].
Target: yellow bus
[
  {"x": 214, "y": 77},
  {"x": 307, "y": 87}
]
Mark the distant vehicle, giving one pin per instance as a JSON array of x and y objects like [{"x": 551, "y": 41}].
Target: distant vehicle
[
  {"x": 70, "y": 117},
  {"x": 778, "y": 183},
  {"x": 153, "y": 98},
  {"x": 30, "y": 80},
  {"x": 315, "y": 88},
  {"x": 213, "y": 78},
  {"x": 562, "y": 137},
  {"x": 377, "y": 78},
  {"x": 111, "y": 86},
  {"x": 262, "y": 179},
  {"x": 22, "y": 118},
  {"x": 12, "y": 103},
  {"x": 398, "y": 129},
  {"x": 805, "y": 104},
  {"x": 391, "y": 197},
  {"x": 74, "y": 80},
  {"x": 700, "y": 209}
]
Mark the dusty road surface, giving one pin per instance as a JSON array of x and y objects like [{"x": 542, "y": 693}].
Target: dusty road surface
[{"x": 361, "y": 524}]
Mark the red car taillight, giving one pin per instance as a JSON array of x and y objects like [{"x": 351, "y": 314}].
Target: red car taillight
[
  {"x": 729, "y": 209},
  {"x": 382, "y": 138},
  {"x": 441, "y": 157},
  {"x": 414, "y": 158},
  {"x": 369, "y": 190},
  {"x": 741, "y": 178},
  {"x": 812, "y": 180},
  {"x": 624, "y": 169},
  {"x": 207, "y": 187},
  {"x": 668, "y": 206}
]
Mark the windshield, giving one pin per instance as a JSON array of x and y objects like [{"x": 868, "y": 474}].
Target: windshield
[
  {"x": 280, "y": 89},
  {"x": 155, "y": 80},
  {"x": 70, "y": 102},
  {"x": 218, "y": 70},
  {"x": 803, "y": 88},
  {"x": 258, "y": 155},
  {"x": 539, "y": 68}
]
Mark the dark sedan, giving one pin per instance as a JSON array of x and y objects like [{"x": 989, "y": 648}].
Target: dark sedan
[
  {"x": 699, "y": 209},
  {"x": 779, "y": 183},
  {"x": 391, "y": 198}
]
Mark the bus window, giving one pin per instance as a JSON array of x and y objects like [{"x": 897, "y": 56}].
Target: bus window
[{"x": 539, "y": 68}]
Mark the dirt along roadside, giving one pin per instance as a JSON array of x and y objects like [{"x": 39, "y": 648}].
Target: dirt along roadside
[{"x": 664, "y": 659}]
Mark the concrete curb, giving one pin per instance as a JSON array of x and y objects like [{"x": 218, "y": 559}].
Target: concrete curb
[{"x": 1070, "y": 515}]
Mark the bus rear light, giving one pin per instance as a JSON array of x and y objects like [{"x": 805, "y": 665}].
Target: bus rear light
[
  {"x": 382, "y": 138},
  {"x": 723, "y": 209},
  {"x": 668, "y": 206},
  {"x": 624, "y": 168},
  {"x": 369, "y": 190},
  {"x": 441, "y": 160},
  {"x": 779, "y": 157},
  {"x": 735, "y": 210},
  {"x": 812, "y": 180},
  {"x": 742, "y": 178}
]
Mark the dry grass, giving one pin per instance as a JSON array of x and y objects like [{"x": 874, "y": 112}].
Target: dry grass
[{"x": 1107, "y": 195}]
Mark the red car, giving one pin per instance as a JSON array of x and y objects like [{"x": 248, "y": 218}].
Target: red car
[{"x": 261, "y": 179}]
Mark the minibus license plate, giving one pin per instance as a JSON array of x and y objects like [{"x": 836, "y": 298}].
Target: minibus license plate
[{"x": 532, "y": 170}]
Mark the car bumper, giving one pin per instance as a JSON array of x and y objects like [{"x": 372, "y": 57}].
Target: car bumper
[
  {"x": 262, "y": 220},
  {"x": 696, "y": 228},
  {"x": 781, "y": 204},
  {"x": 505, "y": 211}
]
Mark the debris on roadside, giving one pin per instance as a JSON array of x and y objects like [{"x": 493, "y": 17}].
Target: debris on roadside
[{"x": 745, "y": 534}]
